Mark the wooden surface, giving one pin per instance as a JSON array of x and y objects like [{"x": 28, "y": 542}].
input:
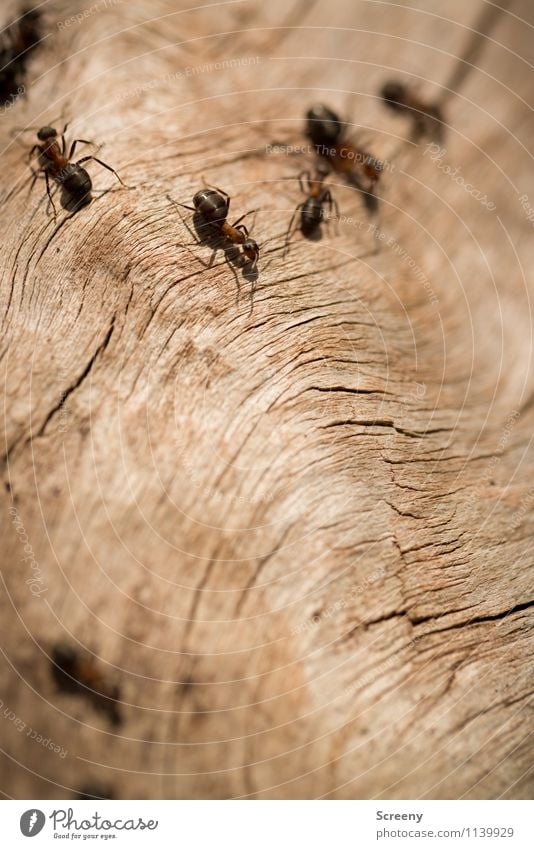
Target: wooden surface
[{"x": 300, "y": 539}]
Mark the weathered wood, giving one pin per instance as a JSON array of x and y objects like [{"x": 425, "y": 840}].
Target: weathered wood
[{"x": 300, "y": 539}]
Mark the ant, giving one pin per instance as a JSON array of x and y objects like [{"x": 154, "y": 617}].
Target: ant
[
  {"x": 76, "y": 671},
  {"x": 327, "y": 133},
  {"x": 17, "y": 42},
  {"x": 54, "y": 162},
  {"x": 427, "y": 118},
  {"x": 25, "y": 34},
  {"x": 213, "y": 205},
  {"x": 95, "y": 790},
  {"x": 312, "y": 210}
]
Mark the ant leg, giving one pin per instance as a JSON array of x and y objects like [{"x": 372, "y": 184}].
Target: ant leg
[
  {"x": 33, "y": 181},
  {"x": 177, "y": 203},
  {"x": 47, "y": 180},
  {"x": 306, "y": 174},
  {"x": 236, "y": 276},
  {"x": 332, "y": 205},
  {"x": 194, "y": 235},
  {"x": 36, "y": 173},
  {"x": 336, "y": 211},
  {"x": 291, "y": 229},
  {"x": 63, "y": 139},
  {"x": 32, "y": 151},
  {"x": 217, "y": 189},
  {"x": 73, "y": 146},
  {"x": 197, "y": 241},
  {"x": 104, "y": 165},
  {"x": 184, "y": 222},
  {"x": 327, "y": 199},
  {"x": 250, "y": 212}
]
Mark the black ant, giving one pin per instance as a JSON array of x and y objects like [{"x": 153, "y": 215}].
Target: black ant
[
  {"x": 16, "y": 44},
  {"x": 327, "y": 133},
  {"x": 213, "y": 205},
  {"x": 76, "y": 671},
  {"x": 54, "y": 162},
  {"x": 427, "y": 117},
  {"x": 312, "y": 210},
  {"x": 25, "y": 34}
]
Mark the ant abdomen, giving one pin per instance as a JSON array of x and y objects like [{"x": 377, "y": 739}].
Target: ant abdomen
[
  {"x": 76, "y": 182},
  {"x": 311, "y": 216},
  {"x": 394, "y": 95},
  {"x": 323, "y": 125},
  {"x": 211, "y": 205}
]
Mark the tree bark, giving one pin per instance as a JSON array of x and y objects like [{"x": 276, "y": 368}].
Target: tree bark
[{"x": 298, "y": 538}]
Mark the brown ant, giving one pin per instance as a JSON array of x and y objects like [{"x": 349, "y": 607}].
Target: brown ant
[
  {"x": 427, "y": 118},
  {"x": 54, "y": 162},
  {"x": 327, "y": 133},
  {"x": 76, "y": 671},
  {"x": 312, "y": 210},
  {"x": 213, "y": 205}
]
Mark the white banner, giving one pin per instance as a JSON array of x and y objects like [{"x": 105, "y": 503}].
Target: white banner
[{"x": 268, "y": 824}]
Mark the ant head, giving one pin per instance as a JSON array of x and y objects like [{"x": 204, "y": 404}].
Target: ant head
[
  {"x": 46, "y": 133},
  {"x": 393, "y": 93},
  {"x": 251, "y": 250}
]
